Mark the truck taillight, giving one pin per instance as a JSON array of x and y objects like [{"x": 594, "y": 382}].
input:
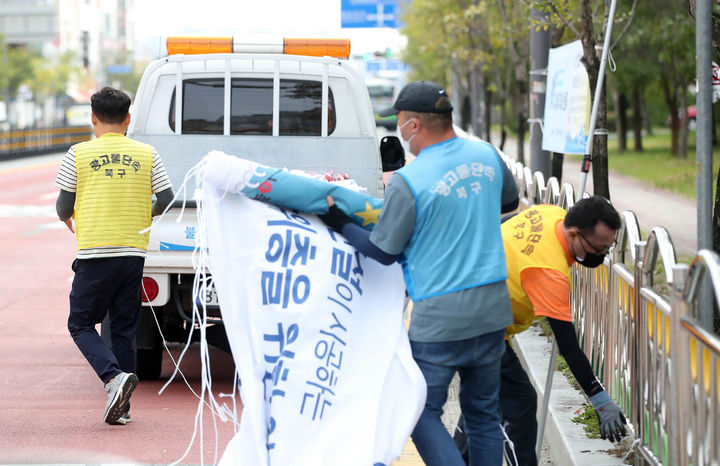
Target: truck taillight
[
  {"x": 150, "y": 289},
  {"x": 338, "y": 48}
]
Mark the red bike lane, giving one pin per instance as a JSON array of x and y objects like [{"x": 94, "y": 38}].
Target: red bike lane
[{"x": 51, "y": 402}]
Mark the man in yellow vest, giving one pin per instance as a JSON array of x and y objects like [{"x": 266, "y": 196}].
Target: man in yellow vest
[
  {"x": 541, "y": 243},
  {"x": 106, "y": 186}
]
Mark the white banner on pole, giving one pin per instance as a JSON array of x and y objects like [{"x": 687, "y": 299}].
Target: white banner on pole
[
  {"x": 317, "y": 335},
  {"x": 567, "y": 101}
]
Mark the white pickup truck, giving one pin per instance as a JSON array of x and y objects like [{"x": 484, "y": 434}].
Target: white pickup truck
[{"x": 296, "y": 104}]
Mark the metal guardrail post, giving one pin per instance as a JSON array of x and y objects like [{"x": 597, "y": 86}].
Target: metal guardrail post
[
  {"x": 677, "y": 427},
  {"x": 635, "y": 352}
]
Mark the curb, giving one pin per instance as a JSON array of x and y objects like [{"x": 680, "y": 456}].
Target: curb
[{"x": 566, "y": 439}]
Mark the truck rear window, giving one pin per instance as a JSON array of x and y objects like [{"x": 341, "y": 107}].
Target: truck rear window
[{"x": 251, "y": 107}]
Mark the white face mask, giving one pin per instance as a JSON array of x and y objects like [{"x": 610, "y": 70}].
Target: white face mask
[{"x": 406, "y": 144}]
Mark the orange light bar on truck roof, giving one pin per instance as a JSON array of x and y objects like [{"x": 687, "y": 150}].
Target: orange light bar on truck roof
[
  {"x": 197, "y": 45},
  {"x": 338, "y": 48}
]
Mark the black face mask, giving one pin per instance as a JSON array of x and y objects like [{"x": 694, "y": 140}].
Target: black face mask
[{"x": 591, "y": 260}]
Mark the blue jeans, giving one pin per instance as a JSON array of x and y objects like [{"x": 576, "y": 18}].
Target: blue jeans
[
  {"x": 518, "y": 406},
  {"x": 477, "y": 361}
]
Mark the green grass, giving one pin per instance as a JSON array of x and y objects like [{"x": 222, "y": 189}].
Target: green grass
[
  {"x": 589, "y": 420},
  {"x": 656, "y": 165}
]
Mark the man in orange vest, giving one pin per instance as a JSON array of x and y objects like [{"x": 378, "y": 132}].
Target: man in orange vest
[
  {"x": 541, "y": 243},
  {"x": 106, "y": 186}
]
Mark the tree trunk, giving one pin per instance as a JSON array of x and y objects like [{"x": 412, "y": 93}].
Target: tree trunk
[
  {"x": 476, "y": 92},
  {"x": 716, "y": 216},
  {"x": 521, "y": 106},
  {"x": 556, "y": 166},
  {"x": 465, "y": 113},
  {"x": 621, "y": 120},
  {"x": 503, "y": 124},
  {"x": 591, "y": 60},
  {"x": 692, "y": 6},
  {"x": 716, "y": 240},
  {"x": 520, "y": 130},
  {"x": 714, "y": 130},
  {"x": 601, "y": 185},
  {"x": 684, "y": 129},
  {"x": 488, "y": 111},
  {"x": 646, "y": 117},
  {"x": 671, "y": 101},
  {"x": 637, "y": 118}
]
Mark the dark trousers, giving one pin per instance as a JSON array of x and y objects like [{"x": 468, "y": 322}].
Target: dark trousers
[
  {"x": 518, "y": 407},
  {"x": 106, "y": 286}
]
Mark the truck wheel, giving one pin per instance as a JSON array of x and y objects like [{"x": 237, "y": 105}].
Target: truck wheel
[
  {"x": 150, "y": 348},
  {"x": 149, "y": 362}
]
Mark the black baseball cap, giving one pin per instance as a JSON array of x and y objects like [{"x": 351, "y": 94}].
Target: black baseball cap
[{"x": 421, "y": 97}]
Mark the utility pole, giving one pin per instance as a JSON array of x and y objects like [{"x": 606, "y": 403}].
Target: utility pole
[
  {"x": 539, "y": 50},
  {"x": 703, "y": 45}
]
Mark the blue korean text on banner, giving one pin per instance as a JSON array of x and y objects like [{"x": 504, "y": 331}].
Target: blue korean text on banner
[
  {"x": 284, "y": 189},
  {"x": 315, "y": 328}
]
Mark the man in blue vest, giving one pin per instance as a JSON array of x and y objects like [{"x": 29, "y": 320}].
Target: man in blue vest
[{"x": 441, "y": 221}]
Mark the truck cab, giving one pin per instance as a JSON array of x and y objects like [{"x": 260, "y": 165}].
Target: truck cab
[{"x": 295, "y": 103}]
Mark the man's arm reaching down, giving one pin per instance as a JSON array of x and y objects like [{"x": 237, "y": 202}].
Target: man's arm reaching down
[{"x": 610, "y": 416}]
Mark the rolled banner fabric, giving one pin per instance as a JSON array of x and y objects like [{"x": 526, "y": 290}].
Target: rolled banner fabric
[
  {"x": 284, "y": 189},
  {"x": 317, "y": 336}
]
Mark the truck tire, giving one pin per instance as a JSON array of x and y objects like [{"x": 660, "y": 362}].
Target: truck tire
[
  {"x": 149, "y": 362},
  {"x": 149, "y": 346},
  {"x": 148, "y": 359}
]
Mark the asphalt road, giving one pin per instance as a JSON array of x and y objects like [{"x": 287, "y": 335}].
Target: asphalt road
[{"x": 51, "y": 402}]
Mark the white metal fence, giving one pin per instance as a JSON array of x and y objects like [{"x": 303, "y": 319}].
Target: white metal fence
[{"x": 643, "y": 338}]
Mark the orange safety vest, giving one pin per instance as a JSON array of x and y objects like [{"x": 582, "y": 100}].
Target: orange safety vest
[{"x": 530, "y": 241}]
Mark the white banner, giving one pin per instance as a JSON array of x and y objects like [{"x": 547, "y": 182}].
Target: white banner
[
  {"x": 567, "y": 101},
  {"x": 316, "y": 330}
]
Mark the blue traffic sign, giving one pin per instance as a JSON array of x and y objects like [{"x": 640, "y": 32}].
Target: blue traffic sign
[
  {"x": 118, "y": 69},
  {"x": 369, "y": 13}
]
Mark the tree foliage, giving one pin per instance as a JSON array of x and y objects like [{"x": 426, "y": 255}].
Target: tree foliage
[
  {"x": 588, "y": 21},
  {"x": 476, "y": 41},
  {"x": 50, "y": 76},
  {"x": 17, "y": 66}
]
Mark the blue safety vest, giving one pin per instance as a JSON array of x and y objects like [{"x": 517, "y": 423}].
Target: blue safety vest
[{"x": 456, "y": 241}]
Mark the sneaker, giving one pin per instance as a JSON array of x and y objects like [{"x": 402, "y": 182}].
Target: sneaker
[
  {"x": 124, "y": 419},
  {"x": 118, "y": 391}
]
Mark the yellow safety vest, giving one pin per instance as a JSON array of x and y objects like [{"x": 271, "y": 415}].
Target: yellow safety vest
[
  {"x": 530, "y": 241},
  {"x": 114, "y": 192}
]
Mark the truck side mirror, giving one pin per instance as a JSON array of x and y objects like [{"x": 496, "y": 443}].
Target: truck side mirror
[{"x": 392, "y": 153}]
